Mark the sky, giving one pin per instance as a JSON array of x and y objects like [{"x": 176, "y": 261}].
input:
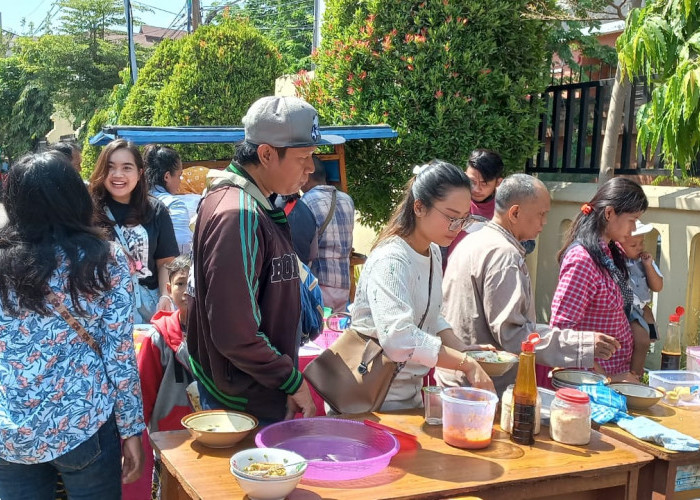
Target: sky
[{"x": 36, "y": 10}]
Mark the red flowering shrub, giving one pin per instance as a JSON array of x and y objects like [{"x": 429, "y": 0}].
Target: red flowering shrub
[{"x": 449, "y": 75}]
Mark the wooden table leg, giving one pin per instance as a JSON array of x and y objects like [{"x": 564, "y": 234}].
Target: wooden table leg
[
  {"x": 169, "y": 489},
  {"x": 632, "y": 482}
]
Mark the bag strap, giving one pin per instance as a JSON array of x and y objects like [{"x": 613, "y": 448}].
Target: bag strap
[
  {"x": 430, "y": 290},
  {"x": 372, "y": 347},
  {"x": 289, "y": 206},
  {"x": 331, "y": 213},
  {"x": 125, "y": 248},
  {"x": 73, "y": 323}
]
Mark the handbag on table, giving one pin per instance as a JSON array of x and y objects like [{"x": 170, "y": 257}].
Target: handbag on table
[{"x": 354, "y": 375}]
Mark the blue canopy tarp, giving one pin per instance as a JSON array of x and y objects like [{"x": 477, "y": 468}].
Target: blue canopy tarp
[{"x": 214, "y": 135}]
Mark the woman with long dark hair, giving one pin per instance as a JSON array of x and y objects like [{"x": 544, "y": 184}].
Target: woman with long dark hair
[
  {"x": 138, "y": 222},
  {"x": 399, "y": 293},
  {"x": 69, "y": 383},
  {"x": 593, "y": 292},
  {"x": 163, "y": 172}
]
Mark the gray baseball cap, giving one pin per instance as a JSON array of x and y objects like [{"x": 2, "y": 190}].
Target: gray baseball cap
[{"x": 285, "y": 122}]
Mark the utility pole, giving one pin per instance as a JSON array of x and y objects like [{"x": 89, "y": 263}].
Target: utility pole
[
  {"x": 196, "y": 15},
  {"x": 319, "y": 9},
  {"x": 130, "y": 39}
]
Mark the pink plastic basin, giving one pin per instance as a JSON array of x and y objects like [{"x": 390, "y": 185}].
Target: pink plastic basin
[{"x": 336, "y": 449}]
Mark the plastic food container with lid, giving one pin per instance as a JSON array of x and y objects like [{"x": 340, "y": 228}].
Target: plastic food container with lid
[
  {"x": 467, "y": 417},
  {"x": 570, "y": 417}
]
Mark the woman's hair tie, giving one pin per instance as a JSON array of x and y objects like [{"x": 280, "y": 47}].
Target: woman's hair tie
[
  {"x": 419, "y": 168},
  {"x": 586, "y": 208}
]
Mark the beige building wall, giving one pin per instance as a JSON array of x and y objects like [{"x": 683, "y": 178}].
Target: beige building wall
[
  {"x": 284, "y": 85},
  {"x": 61, "y": 126},
  {"x": 675, "y": 214}
]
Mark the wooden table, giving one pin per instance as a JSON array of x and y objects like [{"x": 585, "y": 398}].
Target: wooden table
[
  {"x": 428, "y": 468},
  {"x": 659, "y": 477}
]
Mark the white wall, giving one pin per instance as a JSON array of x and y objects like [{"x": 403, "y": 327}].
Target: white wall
[{"x": 674, "y": 213}]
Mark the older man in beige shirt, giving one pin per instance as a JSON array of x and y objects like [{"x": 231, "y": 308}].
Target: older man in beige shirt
[{"x": 487, "y": 294}]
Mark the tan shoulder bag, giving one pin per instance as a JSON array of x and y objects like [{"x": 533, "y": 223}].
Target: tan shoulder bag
[{"x": 354, "y": 375}]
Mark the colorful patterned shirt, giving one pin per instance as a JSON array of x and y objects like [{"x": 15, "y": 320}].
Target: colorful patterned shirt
[
  {"x": 55, "y": 391},
  {"x": 587, "y": 298},
  {"x": 332, "y": 265}
]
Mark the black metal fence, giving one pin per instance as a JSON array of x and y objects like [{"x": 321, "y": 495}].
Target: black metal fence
[{"x": 572, "y": 128}]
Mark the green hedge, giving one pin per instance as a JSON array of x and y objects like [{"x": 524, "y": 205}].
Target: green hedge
[
  {"x": 140, "y": 103},
  {"x": 448, "y": 75},
  {"x": 208, "y": 78}
]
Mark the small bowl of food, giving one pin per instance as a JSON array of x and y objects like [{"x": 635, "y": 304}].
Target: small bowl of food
[
  {"x": 639, "y": 397},
  {"x": 219, "y": 428},
  {"x": 267, "y": 473},
  {"x": 572, "y": 378},
  {"x": 494, "y": 363}
]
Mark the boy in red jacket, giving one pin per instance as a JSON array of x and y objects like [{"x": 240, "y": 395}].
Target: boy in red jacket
[
  {"x": 163, "y": 359},
  {"x": 163, "y": 362}
]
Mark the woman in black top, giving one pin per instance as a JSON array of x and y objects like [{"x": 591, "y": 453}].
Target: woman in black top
[{"x": 138, "y": 221}]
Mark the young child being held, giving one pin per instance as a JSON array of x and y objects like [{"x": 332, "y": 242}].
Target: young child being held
[{"x": 644, "y": 278}]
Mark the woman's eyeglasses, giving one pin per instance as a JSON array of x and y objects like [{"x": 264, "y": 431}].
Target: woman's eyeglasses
[{"x": 457, "y": 223}]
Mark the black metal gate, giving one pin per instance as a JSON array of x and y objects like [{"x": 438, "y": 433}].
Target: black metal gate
[{"x": 572, "y": 127}]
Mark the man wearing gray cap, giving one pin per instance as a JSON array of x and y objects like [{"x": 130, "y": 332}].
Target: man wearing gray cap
[{"x": 241, "y": 331}]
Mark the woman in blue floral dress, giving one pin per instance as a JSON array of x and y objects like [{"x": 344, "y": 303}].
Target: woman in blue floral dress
[{"x": 65, "y": 405}]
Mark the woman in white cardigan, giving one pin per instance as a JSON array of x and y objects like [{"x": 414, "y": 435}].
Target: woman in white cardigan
[{"x": 399, "y": 294}]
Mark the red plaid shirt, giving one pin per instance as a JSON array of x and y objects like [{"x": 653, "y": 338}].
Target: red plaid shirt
[{"x": 587, "y": 298}]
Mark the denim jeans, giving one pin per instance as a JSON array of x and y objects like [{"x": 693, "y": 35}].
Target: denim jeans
[{"x": 91, "y": 471}]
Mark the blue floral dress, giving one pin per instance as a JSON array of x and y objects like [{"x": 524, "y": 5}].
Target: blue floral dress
[{"x": 55, "y": 391}]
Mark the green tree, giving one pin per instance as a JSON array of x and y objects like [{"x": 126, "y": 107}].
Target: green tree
[
  {"x": 572, "y": 24},
  {"x": 661, "y": 42},
  {"x": 141, "y": 101},
  {"x": 90, "y": 20},
  {"x": 212, "y": 78},
  {"x": 449, "y": 76},
  {"x": 78, "y": 80},
  {"x": 102, "y": 117},
  {"x": 25, "y": 110},
  {"x": 288, "y": 23}
]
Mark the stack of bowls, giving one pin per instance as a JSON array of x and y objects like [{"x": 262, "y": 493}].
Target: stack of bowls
[
  {"x": 572, "y": 379},
  {"x": 268, "y": 487}
]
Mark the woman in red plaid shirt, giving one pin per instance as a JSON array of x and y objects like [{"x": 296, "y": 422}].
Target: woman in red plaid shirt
[{"x": 593, "y": 292}]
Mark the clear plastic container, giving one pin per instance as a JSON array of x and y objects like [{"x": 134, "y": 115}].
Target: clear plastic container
[
  {"x": 570, "y": 417},
  {"x": 467, "y": 417},
  {"x": 670, "y": 379},
  {"x": 693, "y": 358},
  {"x": 682, "y": 387}
]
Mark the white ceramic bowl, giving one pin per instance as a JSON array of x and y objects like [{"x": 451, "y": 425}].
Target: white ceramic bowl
[
  {"x": 219, "y": 428},
  {"x": 273, "y": 487}
]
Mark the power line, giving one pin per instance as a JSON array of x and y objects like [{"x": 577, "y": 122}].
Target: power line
[
  {"x": 263, "y": 9},
  {"x": 141, "y": 4},
  {"x": 49, "y": 17},
  {"x": 178, "y": 16},
  {"x": 35, "y": 8}
]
